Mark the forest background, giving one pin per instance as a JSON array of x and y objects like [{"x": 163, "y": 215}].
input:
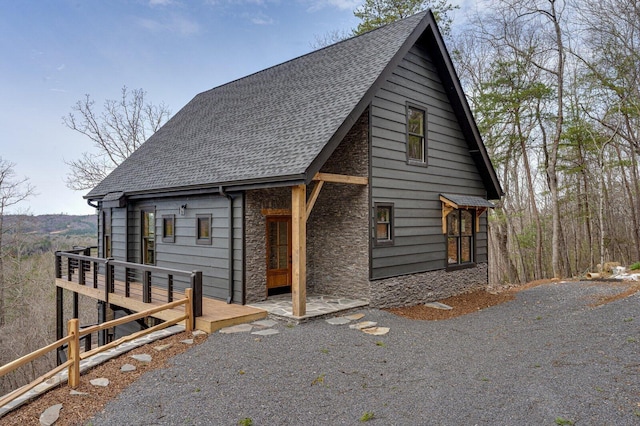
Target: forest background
[{"x": 554, "y": 86}]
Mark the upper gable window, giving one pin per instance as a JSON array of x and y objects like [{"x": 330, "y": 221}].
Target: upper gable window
[{"x": 416, "y": 131}]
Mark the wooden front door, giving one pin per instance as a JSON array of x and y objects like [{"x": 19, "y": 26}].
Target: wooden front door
[{"x": 278, "y": 252}]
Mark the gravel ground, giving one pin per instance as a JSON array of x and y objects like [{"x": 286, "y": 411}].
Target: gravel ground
[{"x": 541, "y": 359}]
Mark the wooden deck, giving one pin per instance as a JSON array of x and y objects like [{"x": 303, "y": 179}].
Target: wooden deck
[{"x": 216, "y": 314}]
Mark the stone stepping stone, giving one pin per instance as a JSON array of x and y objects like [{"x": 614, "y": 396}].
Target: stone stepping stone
[
  {"x": 438, "y": 305},
  {"x": 354, "y": 317},
  {"x": 161, "y": 348},
  {"x": 266, "y": 332},
  {"x": 377, "y": 331},
  {"x": 50, "y": 415},
  {"x": 77, "y": 393},
  {"x": 142, "y": 357},
  {"x": 338, "y": 321},
  {"x": 198, "y": 333},
  {"x": 127, "y": 368},
  {"x": 265, "y": 323},
  {"x": 187, "y": 341},
  {"x": 363, "y": 325},
  {"x": 102, "y": 382},
  {"x": 240, "y": 328}
]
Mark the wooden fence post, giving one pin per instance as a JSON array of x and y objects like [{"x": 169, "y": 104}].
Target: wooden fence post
[
  {"x": 190, "y": 322},
  {"x": 74, "y": 353}
]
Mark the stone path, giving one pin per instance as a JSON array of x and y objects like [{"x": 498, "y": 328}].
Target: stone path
[
  {"x": 267, "y": 327},
  {"x": 317, "y": 306}
]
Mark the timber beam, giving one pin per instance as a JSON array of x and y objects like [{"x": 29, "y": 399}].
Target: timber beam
[
  {"x": 333, "y": 178},
  {"x": 299, "y": 249}
]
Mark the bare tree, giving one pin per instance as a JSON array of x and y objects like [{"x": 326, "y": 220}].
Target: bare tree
[
  {"x": 12, "y": 191},
  {"x": 117, "y": 131}
]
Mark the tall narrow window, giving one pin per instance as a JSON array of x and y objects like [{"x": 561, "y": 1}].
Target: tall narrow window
[
  {"x": 416, "y": 142},
  {"x": 106, "y": 233},
  {"x": 148, "y": 237},
  {"x": 383, "y": 224},
  {"x": 460, "y": 236},
  {"x": 203, "y": 229},
  {"x": 168, "y": 228}
]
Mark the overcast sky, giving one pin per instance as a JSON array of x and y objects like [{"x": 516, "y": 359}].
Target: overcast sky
[{"x": 55, "y": 52}]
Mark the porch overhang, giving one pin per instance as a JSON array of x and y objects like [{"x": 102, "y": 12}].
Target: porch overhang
[
  {"x": 300, "y": 211},
  {"x": 451, "y": 202}
]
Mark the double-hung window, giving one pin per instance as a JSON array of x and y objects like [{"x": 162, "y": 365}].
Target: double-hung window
[
  {"x": 460, "y": 237},
  {"x": 383, "y": 224},
  {"x": 416, "y": 135}
]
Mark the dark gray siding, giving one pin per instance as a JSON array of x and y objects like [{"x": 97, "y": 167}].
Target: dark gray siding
[
  {"x": 184, "y": 253},
  {"x": 419, "y": 244},
  {"x": 118, "y": 233}
]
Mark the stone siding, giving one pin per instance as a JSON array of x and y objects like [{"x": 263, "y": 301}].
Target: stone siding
[
  {"x": 255, "y": 248},
  {"x": 408, "y": 290},
  {"x": 337, "y": 230}
]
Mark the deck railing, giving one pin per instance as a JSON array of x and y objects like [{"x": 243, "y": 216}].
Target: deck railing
[
  {"x": 74, "y": 334},
  {"x": 133, "y": 279}
]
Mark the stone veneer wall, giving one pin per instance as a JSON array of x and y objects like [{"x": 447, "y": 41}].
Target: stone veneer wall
[
  {"x": 426, "y": 287},
  {"x": 337, "y": 230},
  {"x": 255, "y": 228}
]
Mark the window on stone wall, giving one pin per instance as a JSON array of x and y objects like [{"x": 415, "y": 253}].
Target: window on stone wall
[
  {"x": 460, "y": 237},
  {"x": 383, "y": 224}
]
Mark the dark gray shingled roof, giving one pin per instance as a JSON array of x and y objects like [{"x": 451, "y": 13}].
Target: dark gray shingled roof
[{"x": 275, "y": 126}]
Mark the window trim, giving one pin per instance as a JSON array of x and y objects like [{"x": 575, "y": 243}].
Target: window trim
[
  {"x": 172, "y": 237},
  {"x": 391, "y": 225},
  {"x": 143, "y": 212},
  {"x": 199, "y": 239},
  {"x": 423, "y": 109}
]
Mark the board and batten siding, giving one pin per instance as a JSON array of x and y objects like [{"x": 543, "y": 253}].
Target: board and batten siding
[
  {"x": 414, "y": 190},
  {"x": 184, "y": 253}
]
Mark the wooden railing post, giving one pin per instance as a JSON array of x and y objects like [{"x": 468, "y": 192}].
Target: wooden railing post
[
  {"x": 196, "y": 286},
  {"x": 190, "y": 322},
  {"x": 74, "y": 353}
]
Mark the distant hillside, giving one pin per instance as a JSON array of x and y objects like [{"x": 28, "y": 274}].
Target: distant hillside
[{"x": 52, "y": 224}]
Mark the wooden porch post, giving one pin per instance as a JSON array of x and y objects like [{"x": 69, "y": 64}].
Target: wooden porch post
[{"x": 299, "y": 249}]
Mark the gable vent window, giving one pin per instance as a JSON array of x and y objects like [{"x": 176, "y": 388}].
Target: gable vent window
[
  {"x": 203, "y": 229},
  {"x": 416, "y": 140}
]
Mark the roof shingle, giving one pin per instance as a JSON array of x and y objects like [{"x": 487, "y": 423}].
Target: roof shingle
[{"x": 268, "y": 125}]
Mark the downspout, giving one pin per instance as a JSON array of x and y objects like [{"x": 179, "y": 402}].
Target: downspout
[
  {"x": 230, "y": 198},
  {"x": 95, "y": 206}
]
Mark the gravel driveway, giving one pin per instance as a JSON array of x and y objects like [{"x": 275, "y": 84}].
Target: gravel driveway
[{"x": 544, "y": 358}]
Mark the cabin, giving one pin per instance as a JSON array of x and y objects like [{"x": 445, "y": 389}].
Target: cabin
[{"x": 355, "y": 171}]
